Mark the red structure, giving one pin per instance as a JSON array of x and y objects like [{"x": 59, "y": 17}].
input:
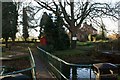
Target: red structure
[{"x": 43, "y": 41}]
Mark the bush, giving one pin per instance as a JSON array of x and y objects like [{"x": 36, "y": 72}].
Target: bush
[
  {"x": 109, "y": 45},
  {"x": 62, "y": 41},
  {"x": 116, "y": 44}
]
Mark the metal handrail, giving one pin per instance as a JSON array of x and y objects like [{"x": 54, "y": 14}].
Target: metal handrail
[
  {"x": 33, "y": 66},
  {"x": 2, "y": 70},
  {"x": 69, "y": 64},
  {"x": 58, "y": 59},
  {"x": 58, "y": 71},
  {"x": 66, "y": 63},
  {"x": 19, "y": 71}
]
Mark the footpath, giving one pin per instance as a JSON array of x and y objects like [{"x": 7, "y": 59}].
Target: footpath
[{"x": 42, "y": 72}]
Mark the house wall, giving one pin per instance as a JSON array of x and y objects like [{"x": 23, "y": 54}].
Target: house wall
[{"x": 85, "y": 31}]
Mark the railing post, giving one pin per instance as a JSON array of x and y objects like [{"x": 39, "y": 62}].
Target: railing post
[
  {"x": 74, "y": 73},
  {"x": 90, "y": 72},
  {"x": 32, "y": 64},
  {"x": 47, "y": 57},
  {"x": 34, "y": 73},
  {"x": 60, "y": 69}
]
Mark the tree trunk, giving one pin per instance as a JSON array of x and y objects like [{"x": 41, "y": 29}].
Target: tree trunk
[
  {"x": 6, "y": 42},
  {"x": 25, "y": 40},
  {"x": 73, "y": 40},
  {"x": 13, "y": 41}
]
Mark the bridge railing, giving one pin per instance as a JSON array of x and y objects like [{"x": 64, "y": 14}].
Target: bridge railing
[
  {"x": 32, "y": 68},
  {"x": 56, "y": 64},
  {"x": 32, "y": 61}
]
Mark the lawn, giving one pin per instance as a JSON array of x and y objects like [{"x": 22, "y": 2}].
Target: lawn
[
  {"x": 86, "y": 53},
  {"x": 16, "y": 48},
  {"x": 83, "y": 53}
]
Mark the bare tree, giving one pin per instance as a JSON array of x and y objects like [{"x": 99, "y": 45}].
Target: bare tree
[
  {"x": 74, "y": 13},
  {"x": 117, "y": 8},
  {"x": 9, "y": 21}
]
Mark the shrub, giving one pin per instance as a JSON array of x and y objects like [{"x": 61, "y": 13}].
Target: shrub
[{"x": 116, "y": 44}]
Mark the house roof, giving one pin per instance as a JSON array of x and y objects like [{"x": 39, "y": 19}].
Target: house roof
[{"x": 85, "y": 25}]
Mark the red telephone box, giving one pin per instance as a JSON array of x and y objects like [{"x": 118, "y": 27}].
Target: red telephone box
[{"x": 43, "y": 41}]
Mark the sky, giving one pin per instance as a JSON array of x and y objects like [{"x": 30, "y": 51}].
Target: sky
[{"x": 111, "y": 25}]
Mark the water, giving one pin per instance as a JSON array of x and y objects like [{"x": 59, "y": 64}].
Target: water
[
  {"x": 83, "y": 73},
  {"x": 78, "y": 73}
]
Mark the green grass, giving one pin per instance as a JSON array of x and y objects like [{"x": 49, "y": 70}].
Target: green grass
[
  {"x": 69, "y": 52},
  {"x": 17, "y": 47},
  {"x": 6, "y": 53},
  {"x": 82, "y": 50},
  {"x": 118, "y": 77},
  {"x": 84, "y": 43}
]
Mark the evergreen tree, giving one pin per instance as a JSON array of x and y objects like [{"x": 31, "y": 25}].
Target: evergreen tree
[
  {"x": 55, "y": 34},
  {"x": 62, "y": 39},
  {"x": 25, "y": 25},
  {"x": 9, "y": 21}
]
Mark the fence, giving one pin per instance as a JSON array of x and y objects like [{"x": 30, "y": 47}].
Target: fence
[
  {"x": 57, "y": 65},
  {"x": 32, "y": 68}
]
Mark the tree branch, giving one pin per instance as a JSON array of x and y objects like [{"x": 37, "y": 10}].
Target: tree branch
[
  {"x": 46, "y": 6},
  {"x": 65, "y": 14}
]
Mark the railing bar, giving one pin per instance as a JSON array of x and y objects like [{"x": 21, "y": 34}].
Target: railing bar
[
  {"x": 70, "y": 64},
  {"x": 2, "y": 66},
  {"x": 54, "y": 56},
  {"x": 31, "y": 56},
  {"x": 58, "y": 71},
  {"x": 32, "y": 64},
  {"x": 15, "y": 72},
  {"x": 27, "y": 69},
  {"x": 1, "y": 73}
]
